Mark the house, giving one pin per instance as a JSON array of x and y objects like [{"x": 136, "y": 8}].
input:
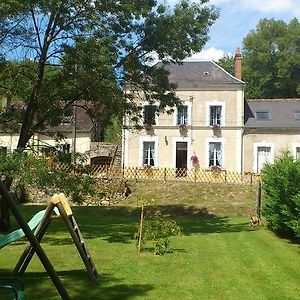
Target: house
[
  {"x": 215, "y": 127},
  {"x": 271, "y": 126},
  {"x": 206, "y": 130},
  {"x": 78, "y": 134},
  {"x": 74, "y": 130}
]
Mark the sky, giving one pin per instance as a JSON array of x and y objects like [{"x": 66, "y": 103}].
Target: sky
[{"x": 237, "y": 18}]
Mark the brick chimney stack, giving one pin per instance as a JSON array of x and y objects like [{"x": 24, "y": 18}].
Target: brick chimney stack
[{"x": 238, "y": 64}]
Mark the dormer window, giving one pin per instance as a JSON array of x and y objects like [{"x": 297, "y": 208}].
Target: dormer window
[
  {"x": 297, "y": 115},
  {"x": 263, "y": 115},
  {"x": 67, "y": 120}
]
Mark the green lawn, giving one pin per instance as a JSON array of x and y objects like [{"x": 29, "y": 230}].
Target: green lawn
[{"x": 216, "y": 257}]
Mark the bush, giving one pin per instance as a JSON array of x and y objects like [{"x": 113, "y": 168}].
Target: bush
[
  {"x": 281, "y": 185},
  {"x": 158, "y": 229}
]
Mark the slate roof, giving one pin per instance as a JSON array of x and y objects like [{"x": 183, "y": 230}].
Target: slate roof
[
  {"x": 281, "y": 113},
  {"x": 83, "y": 123},
  {"x": 191, "y": 74}
]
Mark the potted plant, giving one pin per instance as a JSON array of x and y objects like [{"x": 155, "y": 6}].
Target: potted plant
[
  {"x": 147, "y": 126},
  {"x": 216, "y": 126},
  {"x": 195, "y": 160},
  {"x": 182, "y": 126}
]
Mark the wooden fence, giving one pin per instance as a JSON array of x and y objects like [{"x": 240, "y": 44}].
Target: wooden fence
[{"x": 165, "y": 174}]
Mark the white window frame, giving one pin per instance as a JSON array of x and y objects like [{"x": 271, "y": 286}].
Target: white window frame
[
  {"x": 143, "y": 110},
  {"x": 215, "y": 140},
  {"x": 181, "y": 139},
  {"x": 255, "y": 148},
  {"x": 189, "y": 113},
  {"x": 215, "y": 103},
  {"x": 141, "y": 148},
  {"x": 294, "y": 149}
]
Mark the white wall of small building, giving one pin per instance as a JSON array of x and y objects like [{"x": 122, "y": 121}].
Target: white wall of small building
[
  {"x": 278, "y": 142},
  {"x": 83, "y": 141}
]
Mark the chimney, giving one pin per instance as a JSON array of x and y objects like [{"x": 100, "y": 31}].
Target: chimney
[{"x": 238, "y": 64}]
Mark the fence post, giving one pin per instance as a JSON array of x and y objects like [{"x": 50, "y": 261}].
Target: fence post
[
  {"x": 225, "y": 178},
  {"x": 135, "y": 174},
  {"x": 258, "y": 200},
  {"x": 165, "y": 174}
]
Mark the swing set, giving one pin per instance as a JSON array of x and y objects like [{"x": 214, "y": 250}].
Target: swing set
[{"x": 40, "y": 222}]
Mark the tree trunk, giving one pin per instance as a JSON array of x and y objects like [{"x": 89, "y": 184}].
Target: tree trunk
[
  {"x": 4, "y": 221},
  {"x": 5, "y": 216}
]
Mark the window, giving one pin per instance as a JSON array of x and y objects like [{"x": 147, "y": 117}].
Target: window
[
  {"x": 215, "y": 154},
  {"x": 297, "y": 156},
  {"x": 67, "y": 120},
  {"x": 297, "y": 115},
  {"x": 148, "y": 153},
  {"x": 182, "y": 115},
  {"x": 66, "y": 148},
  {"x": 263, "y": 115},
  {"x": 215, "y": 114},
  {"x": 149, "y": 114}
]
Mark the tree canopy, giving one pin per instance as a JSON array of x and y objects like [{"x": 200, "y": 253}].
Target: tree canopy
[
  {"x": 55, "y": 54},
  {"x": 271, "y": 60}
]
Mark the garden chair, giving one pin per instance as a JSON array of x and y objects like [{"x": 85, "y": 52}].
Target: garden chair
[{"x": 12, "y": 287}]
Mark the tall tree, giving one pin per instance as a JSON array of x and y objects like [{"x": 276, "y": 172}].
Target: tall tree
[
  {"x": 271, "y": 60},
  {"x": 81, "y": 51}
]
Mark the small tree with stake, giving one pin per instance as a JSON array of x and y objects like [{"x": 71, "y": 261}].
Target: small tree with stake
[{"x": 156, "y": 228}]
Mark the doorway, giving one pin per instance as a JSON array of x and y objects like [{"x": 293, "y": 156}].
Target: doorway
[
  {"x": 181, "y": 159},
  {"x": 263, "y": 157}
]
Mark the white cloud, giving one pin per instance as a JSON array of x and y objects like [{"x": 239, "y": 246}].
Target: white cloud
[
  {"x": 268, "y": 5},
  {"x": 262, "y": 6},
  {"x": 218, "y": 2},
  {"x": 291, "y": 6},
  {"x": 207, "y": 54}
]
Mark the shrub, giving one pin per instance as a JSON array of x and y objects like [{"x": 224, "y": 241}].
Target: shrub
[
  {"x": 282, "y": 195},
  {"x": 158, "y": 229}
]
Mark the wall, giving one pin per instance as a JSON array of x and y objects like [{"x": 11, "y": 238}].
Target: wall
[
  {"x": 280, "y": 141},
  {"x": 199, "y": 133}
]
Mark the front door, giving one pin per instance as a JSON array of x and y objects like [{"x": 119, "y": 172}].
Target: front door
[
  {"x": 181, "y": 159},
  {"x": 263, "y": 157}
]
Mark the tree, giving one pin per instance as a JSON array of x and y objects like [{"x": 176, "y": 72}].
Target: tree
[
  {"x": 61, "y": 53},
  {"x": 282, "y": 195},
  {"x": 227, "y": 63},
  {"x": 271, "y": 60}
]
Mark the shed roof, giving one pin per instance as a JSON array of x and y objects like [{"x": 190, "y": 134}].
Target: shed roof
[
  {"x": 281, "y": 111},
  {"x": 83, "y": 123}
]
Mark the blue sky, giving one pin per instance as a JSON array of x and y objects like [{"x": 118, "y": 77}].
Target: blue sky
[{"x": 237, "y": 18}]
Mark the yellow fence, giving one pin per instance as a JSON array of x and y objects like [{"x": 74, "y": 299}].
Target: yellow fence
[{"x": 166, "y": 174}]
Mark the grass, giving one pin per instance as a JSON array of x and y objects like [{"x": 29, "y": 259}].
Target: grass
[
  {"x": 216, "y": 198},
  {"x": 218, "y": 256}
]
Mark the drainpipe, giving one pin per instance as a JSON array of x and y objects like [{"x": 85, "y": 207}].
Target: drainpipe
[{"x": 74, "y": 134}]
